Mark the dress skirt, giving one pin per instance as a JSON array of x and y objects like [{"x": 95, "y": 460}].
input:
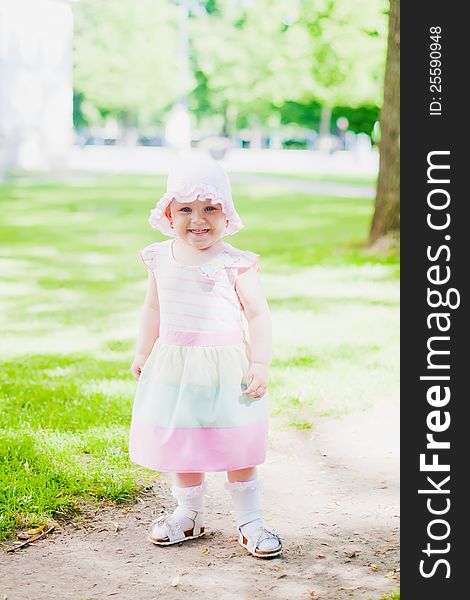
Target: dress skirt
[{"x": 189, "y": 413}]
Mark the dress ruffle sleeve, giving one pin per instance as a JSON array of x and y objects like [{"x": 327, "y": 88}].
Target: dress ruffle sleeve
[
  {"x": 234, "y": 261},
  {"x": 149, "y": 256},
  {"x": 246, "y": 260}
]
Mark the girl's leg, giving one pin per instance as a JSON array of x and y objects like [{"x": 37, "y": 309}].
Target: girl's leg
[
  {"x": 244, "y": 487},
  {"x": 188, "y": 479},
  {"x": 242, "y": 475},
  {"x": 188, "y": 517}
]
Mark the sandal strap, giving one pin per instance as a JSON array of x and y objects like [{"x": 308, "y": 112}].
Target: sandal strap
[
  {"x": 264, "y": 532},
  {"x": 172, "y": 527}
]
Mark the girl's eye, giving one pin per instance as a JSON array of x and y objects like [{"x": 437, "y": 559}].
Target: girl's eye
[
  {"x": 210, "y": 208},
  {"x": 186, "y": 209}
]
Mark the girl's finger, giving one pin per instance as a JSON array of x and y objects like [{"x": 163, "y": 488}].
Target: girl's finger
[
  {"x": 255, "y": 390},
  {"x": 250, "y": 389}
]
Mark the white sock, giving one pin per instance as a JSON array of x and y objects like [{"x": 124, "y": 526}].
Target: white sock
[
  {"x": 191, "y": 498},
  {"x": 246, "y": 501}
]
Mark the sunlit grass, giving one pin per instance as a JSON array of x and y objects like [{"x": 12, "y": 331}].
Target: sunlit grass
[
  {"x": 71, "y": 290},
  {"x": 336, "y": 333},
  {"x": 390, "y": 596}
]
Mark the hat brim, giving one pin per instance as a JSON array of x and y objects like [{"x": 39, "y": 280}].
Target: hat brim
[{"x": 158, "y": 219}]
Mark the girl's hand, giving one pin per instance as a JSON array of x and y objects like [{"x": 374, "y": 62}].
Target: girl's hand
[
  {"x": 138, "y": 365},
  {"x": 258, "y": 376}
]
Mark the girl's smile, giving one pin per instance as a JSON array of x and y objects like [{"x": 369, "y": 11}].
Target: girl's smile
[{"x": 199, "y": 223}]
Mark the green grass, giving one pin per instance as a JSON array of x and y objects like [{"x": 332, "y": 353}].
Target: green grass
[{"x": 72, "y": 287}]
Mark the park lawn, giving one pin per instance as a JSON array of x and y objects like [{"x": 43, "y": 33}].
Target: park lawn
[{"x": 72, "y": 289}]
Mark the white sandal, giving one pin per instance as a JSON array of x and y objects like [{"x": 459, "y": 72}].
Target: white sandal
[
  {"x": 174, "y": 531},
  {"x": 252, "y": 541}
]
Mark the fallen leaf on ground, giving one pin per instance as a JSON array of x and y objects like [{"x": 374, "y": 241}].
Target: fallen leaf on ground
[
  {"x": 385, "y": 550},
  {"x": 314, "y": 595},
  {"x": 36, "y": 530},
  {"x": 205, "y": 551},
  {"x": 281, "y": 575}
]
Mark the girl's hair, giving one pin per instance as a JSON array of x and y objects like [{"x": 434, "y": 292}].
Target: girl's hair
[{"x": 196, "y": 178}]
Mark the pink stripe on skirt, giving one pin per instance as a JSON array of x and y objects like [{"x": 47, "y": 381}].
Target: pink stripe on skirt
[
  {"x": 201, "y": 338},
  {"x": 198, "y": 450}
]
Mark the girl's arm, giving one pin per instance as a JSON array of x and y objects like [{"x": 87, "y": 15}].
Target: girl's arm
[
  {"x": 256, "y": 311},
  {"x": 149, "y": 327}
]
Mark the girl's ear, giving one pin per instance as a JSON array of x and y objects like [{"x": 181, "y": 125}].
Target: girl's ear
[{"x": 168, "y": 213}]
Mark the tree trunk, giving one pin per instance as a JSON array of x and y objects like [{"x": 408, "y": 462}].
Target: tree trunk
[
  {"x": 386, "y": 218},
  {"x": 325, "y": 120}
]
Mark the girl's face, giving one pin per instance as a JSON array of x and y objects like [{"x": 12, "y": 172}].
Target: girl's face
[{"x": 200, "y": 223}]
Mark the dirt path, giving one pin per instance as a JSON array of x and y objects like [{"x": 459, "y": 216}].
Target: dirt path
[{"x": 332, "y": 492}]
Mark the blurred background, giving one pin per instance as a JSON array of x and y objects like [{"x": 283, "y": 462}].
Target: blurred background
[
  {"x": 216, "y": 75},
  {"x": 299, "y": 100}
]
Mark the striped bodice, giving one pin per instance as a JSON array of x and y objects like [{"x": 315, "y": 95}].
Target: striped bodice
[{"x": 199, "y": 305}]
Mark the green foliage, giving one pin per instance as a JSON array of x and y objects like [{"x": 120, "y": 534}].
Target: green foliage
[
  {"x": 360, "y": 119},
  {"x": 348, "y": 57},
  {"x": 248, "y": 59},
  {"x": 254, "y": 62},
  {"x": 270, "y": 55},
  {"x": 126, "y": 57}
]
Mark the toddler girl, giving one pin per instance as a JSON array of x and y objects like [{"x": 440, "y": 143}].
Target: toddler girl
[{"x": 201, "y": 402}]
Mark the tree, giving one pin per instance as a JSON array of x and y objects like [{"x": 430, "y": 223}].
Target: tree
[
  {"x": 348, "y": 53},
  {"x": 253, "y": 56},
  {"x": 267, "y": 53},
  {"x": 386, "y": 219},
  {"x": 126, "y": 57}
]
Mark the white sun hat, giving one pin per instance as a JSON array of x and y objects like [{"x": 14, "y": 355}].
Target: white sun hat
[{"x": 196, "y": 178}]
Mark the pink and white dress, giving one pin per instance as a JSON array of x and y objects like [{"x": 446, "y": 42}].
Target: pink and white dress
[{"x": 189, "y": 414}]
